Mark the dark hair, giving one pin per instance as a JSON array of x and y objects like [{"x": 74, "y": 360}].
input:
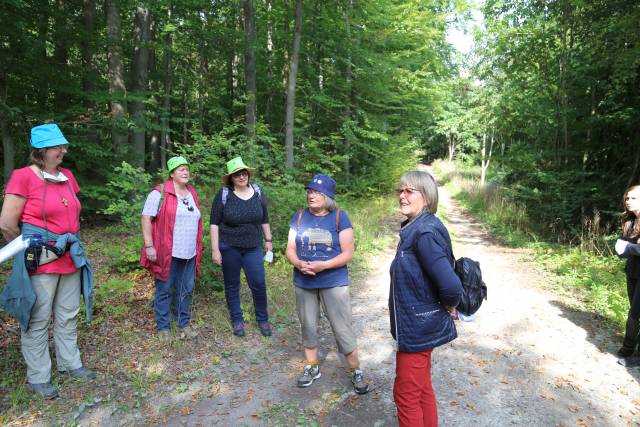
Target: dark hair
[
  {"x": 630, "y": 224},
  {"x": 36, "y": 157}
]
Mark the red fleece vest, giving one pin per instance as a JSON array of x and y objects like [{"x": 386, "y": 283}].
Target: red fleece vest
[{"x": 163, "y": 233}]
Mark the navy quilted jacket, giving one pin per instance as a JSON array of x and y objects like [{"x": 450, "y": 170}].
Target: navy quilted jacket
[{"x": 422, "y": 283}]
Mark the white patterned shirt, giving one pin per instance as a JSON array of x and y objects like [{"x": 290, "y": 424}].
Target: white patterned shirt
[{"x": 185, "y": 229}]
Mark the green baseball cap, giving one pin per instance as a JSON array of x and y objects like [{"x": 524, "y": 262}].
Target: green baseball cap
[
  {"x": 234, "y": 165},
  {"x": 174, "y": 162}
]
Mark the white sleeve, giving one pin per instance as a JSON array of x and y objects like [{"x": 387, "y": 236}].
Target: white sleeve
[{"x": 152, "y": 204}]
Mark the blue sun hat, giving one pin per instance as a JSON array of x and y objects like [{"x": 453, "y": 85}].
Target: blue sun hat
[
  {"x": 323, "y": 184},
  {"x": 48, "y": 135}
]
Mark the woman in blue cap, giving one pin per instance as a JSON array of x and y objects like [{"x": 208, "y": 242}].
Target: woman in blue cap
[
  {"x": 41, "y": 203},
  {"x": 320, "y": 246},
  {"x": 172, "y": 232}
]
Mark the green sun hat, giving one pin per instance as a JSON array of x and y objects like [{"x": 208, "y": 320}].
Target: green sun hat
[
  {"x": 234, "y": 165},
  {"x": 174, "y": 162}
]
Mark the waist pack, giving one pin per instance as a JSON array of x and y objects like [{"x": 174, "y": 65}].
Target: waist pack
[
  {"x": 39, "y": 254},
  {"x": 474, "y": 289}
]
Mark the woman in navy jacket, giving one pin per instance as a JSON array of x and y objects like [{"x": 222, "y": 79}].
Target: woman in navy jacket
[{"x": 424, "y": 288}]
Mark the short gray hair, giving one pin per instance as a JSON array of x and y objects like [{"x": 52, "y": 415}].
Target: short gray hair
[
  {"x": 426, "y": 184},
  {"x": 329, "y": 203}
]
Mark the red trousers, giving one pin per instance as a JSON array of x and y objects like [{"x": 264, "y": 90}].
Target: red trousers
[{"x": 412, "y": 390}]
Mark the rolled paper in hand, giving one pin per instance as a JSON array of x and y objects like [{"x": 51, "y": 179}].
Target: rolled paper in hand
[
  {"x": 13, "y": 247},
  {"x": 621, "y": 245},
  {"x": 269, "y": 257}
]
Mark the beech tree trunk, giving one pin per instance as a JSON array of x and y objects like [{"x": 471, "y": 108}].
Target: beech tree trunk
[
  {"x": 8, "y": 149},
  {"x": 350, "y": 91},
  {"x": 250, "y": 71},
  {"x": 291, "y": 86},
  {"x": 154, "y": 139},
  {"x": 139, "y": 82},
  {"x": 89, "y": 72},
  {"x": 165, "y": 141},
  {"x": 60, "y": 55},
  {"x": 117, "y": 88},
  {"x": 486, "y": 157},
  {"x": 269, "y": 102}
]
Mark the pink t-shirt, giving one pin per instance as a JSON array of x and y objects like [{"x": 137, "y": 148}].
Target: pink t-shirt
[{"x": 62, "y": 209}]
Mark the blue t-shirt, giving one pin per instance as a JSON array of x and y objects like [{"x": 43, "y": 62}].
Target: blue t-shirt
[{"x": 317, "y": 240}]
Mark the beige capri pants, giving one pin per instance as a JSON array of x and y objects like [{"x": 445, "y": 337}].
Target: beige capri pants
[{"x": 336, "y": 304}]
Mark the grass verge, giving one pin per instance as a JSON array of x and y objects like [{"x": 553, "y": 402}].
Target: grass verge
[{"x": 588, "y": 271}]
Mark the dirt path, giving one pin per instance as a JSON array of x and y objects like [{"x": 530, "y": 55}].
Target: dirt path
[{"x": 527, "y": 360}]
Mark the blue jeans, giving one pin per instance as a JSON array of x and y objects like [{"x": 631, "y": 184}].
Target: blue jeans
[
  {"x": 251, "y": 261},
  {"x": 177, "y": 290}
]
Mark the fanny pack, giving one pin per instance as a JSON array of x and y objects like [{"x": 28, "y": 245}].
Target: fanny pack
[{"x": 38, "y": 254}]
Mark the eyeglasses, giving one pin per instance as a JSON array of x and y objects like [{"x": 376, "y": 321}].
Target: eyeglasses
[
  {"x": 63, "y": 147},
  {"x": 311, "y": 192},
  {"x": 407, "y": 191},
  {"x": 240, "y": 174},
  {"x": 186, "y": 203}
]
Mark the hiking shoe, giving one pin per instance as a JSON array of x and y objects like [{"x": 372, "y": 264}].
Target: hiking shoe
[
  {"x": 82, "y": 372},
  {"x": 188, "y": 333},
  {"x": 164, "y": 336},
  {"x": 238, "y": 329},
  {"x": 309, "y": 374},
  {"x": 625, "y": 351},
  {"x": 357, "y": 379},
  {"x": 43, "y": 390},
  {"x": 265, "y": 328}
]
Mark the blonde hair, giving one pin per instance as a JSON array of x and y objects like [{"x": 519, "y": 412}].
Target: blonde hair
[
  {"x": 631, "y": 224},
  {"x": 426, "y": 184}
]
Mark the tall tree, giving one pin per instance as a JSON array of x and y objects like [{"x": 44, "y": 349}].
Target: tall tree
[
  {"x": 117, "y": 87},
  {"x": 291, "y": 86},
  {"x": 139, "y": 82},
  {"x": 89, "y": 72},
  {"x": 165, "y": 141},
  {"x": 250, "y": 70}
]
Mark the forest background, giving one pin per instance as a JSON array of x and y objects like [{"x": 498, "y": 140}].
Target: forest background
[{"x": 541, "y": 118}]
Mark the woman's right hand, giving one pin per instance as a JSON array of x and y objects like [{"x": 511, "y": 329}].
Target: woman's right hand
[
  {"x": 151, "y": 253},
  {"x": 216, "y": 256}
]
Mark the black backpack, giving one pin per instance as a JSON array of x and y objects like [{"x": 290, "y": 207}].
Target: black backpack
[{"x": 474, "y": 289}]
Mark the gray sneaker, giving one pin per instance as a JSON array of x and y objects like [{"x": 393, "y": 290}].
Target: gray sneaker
[
  {"x": 43, "y": 390},
  {"x": 357, "y": 379},
  {"x": 81, "y": 372},
  {"x": 309, "y": 375}
]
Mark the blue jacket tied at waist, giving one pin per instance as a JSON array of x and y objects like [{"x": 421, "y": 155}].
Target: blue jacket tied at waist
[
  {"x": 423, "y": 282},
  {"x": 18, "y": 297}
]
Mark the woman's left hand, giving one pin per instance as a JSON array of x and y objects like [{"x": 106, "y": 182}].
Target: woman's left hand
[
  {"x": 314, "y": 267},
  {"x": 269, "y": 246}
]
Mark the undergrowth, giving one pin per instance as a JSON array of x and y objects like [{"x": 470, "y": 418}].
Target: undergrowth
[{"x": 585, "y": 267}]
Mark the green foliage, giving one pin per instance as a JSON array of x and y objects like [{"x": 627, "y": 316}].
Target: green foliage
[
  {"x": 113, "y": 296},
  {"x": 123, "y": 255},
  {"x": 589, "y": 270},
  {"x": 126, "y": 192}
]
